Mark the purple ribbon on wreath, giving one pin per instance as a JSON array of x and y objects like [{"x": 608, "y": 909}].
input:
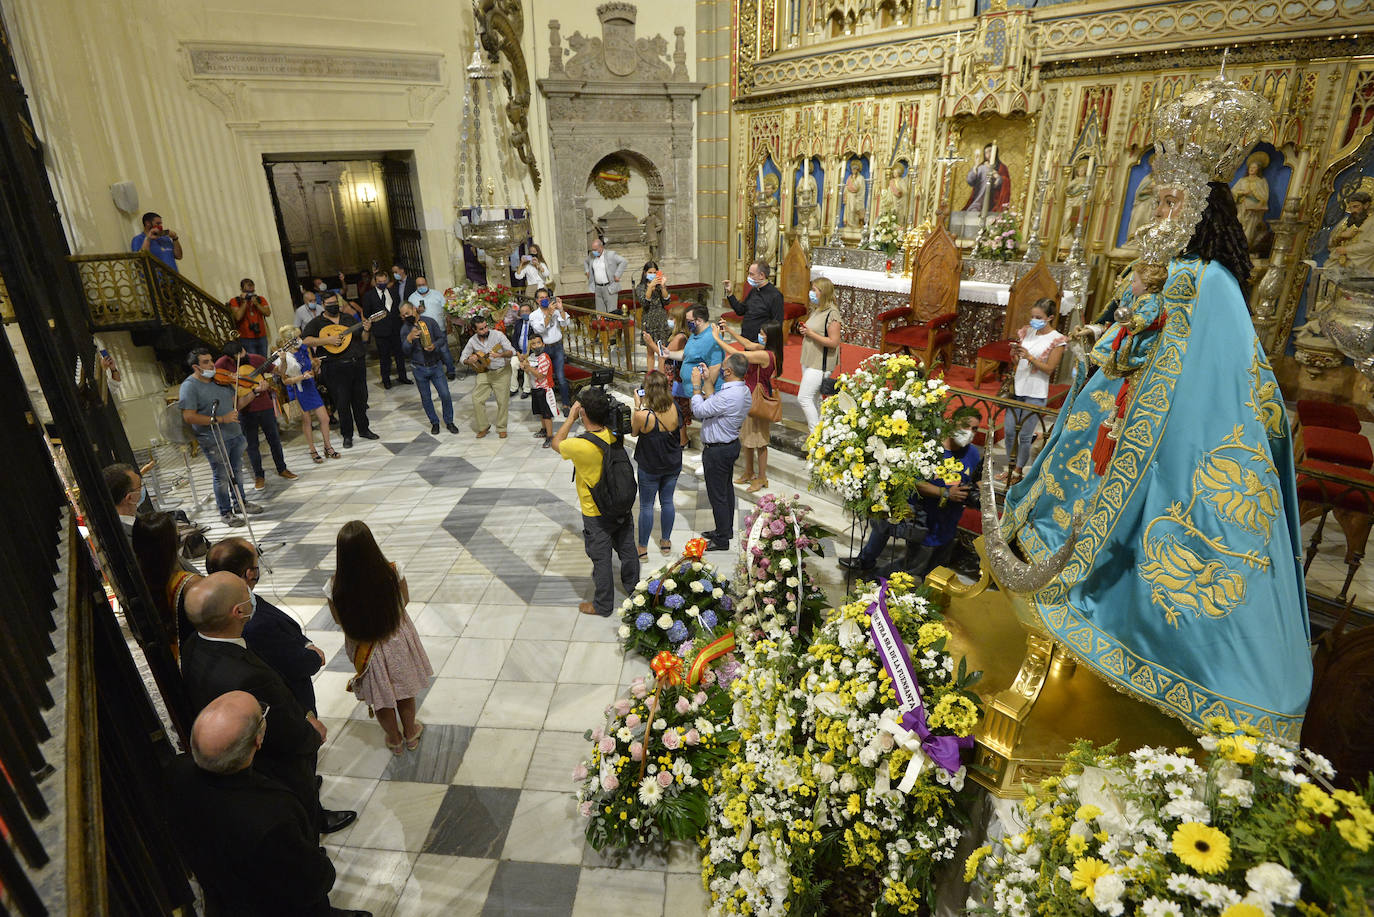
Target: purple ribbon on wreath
[{"x": 943, "y": 750}]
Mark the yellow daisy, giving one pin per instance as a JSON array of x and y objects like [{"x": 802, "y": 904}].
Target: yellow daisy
[
  {"x": 1242, "y": 910},
  {"x": 1201, "y": 847},
  {"x": 1086, "y": 872}
]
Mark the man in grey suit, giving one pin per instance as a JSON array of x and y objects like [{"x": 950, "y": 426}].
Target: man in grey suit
[{"x": 603, "y": 275}]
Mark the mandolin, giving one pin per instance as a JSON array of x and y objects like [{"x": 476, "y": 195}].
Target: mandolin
[{"x": 345, "y": 332}]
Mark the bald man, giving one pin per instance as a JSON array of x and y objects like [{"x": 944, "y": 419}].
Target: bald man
[
  {"x": 247, "y": 837},
  {"x": 216, "y": 660}
]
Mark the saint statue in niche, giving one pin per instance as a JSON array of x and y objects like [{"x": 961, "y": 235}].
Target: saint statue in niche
[
  {"x": 989, "y": 177},
  {"x": 1350, "y": 248},
  {"x": 854, "y": 186},
  {"x": 1251, "y": 191},
  {"x": 766, "y": 220},
  {"x": 808, "y": 213},
  {"x": 894, "y": 201},
  {"x": 1075, "y": 193}
]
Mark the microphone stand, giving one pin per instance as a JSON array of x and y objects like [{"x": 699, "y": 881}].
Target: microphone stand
[{"x": 235, "y": 490}]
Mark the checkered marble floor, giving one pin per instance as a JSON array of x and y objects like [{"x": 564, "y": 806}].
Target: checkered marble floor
[{"x": 481, "y": 819}]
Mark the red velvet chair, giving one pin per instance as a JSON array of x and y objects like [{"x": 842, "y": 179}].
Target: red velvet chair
[
  {"x": 1350, "y": 500},
  {"x": 791, "y": 312},
  {"x": 923, "y": 340},
  {"x": 1337, "y": 446},
  {"x": 1328, "y": 414},
  {"x": 925, "y": 327}
]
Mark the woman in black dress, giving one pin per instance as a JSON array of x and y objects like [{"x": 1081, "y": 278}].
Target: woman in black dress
[{"x": 651, "y": 294}]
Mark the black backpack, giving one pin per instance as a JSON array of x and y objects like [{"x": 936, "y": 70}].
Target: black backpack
[{"x": 614, "y": 494}]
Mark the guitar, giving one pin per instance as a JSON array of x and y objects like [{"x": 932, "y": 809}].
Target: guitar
[{"x": 345, "y": 332}]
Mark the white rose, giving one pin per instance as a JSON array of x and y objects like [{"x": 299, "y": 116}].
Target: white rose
[
  {"x": 696, "y": 586},
  {"x": 623, "y": 630},
  {"x": 785, "y": 564},
  {"x": 639, "y": 601},
  {"x": 669, "y": 585},
  {"x": 717, "y": 593},
  {"x": 665, "y": 621}
]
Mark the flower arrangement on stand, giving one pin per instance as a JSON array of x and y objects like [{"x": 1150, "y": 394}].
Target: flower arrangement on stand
[
  {"x": 466, "y": 303},
  {"x": 1248, "y": 833},
  {"x": 885, "y": 235},
  {"x": 777, "y": 590},
  {"x": 843, "y": 800},
  {"x": 881, "y": 435},
  {"x": 999, "y": 237},
  {"x": 646, "y": 781},
  {"x": 683, "y": 601}
]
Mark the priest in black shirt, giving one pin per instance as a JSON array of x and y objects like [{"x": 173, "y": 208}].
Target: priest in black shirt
[
  {"x": 345, "y": 373},
  {"x": 761, "y": 305}
]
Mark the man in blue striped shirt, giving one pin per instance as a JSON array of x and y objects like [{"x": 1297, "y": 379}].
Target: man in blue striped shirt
[{"x": 721, "y": 413}]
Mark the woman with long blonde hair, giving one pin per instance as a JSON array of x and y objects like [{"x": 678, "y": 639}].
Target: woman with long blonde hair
[
  {"x": 658, "y": 456},
  {"x": 820, "y": 354},
  {"x": 297, "y": 372}
]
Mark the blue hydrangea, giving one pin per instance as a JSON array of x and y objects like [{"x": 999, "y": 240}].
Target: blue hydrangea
[
  {"x": 727, "y": 603},
  {"x": 706, "y": 584},
  {"x": 644, "y": 620},
  {"x": 654, "y": 586},
  {"x": 677, "y": 633},
  {"x": 674, "y": 602},
  {"x": 708, "y": 618}
]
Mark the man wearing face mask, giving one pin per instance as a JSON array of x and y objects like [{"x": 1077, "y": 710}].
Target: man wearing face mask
[
  {"x": 518, "y": 330},
  {"x": 212, "y": 410},
  {"x": 603, "y": 269},
  {"x": 761, "y": 305},
  {"x": 420, "y": 341},
  {"x": 125, "y": 486},
  {"x": 385, "y": 298},
  {"x": 937, "y": 505},
  {"x": 430, "y": 303},
  {"x": 307, "y": 311},
  {"x": 345, "y": 374},
  {"x": 492, "y": 380},
  {"x": 549, "y": 320}
]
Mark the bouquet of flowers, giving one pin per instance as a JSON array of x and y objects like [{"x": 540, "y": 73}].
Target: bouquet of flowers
[
  {"x": 682, "y": 601},
  {"x": 467, "y": 303},
  {"x": 885, "y": 237},
  {"x": 837, "y": 806},
  {"x": 644, "y": 781},
  {"x": 881, "y": 435},
  {"x": 999, "y": 237},
  {"x": 1247, "y": 834},
  {"x": 772, "y": 566}
]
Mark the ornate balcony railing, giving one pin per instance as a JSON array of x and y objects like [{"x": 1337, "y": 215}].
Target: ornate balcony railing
[{"x": 127, "y": 291}]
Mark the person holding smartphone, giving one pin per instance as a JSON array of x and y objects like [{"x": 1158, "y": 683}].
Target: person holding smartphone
[
  {"x": 1036, "y": 354},
  {"x": 163, "y": 244},
  {"x": 548, "y": 321}
]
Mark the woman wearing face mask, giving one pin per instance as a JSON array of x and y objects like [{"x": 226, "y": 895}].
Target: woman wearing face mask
[
  {"x": 765, "y": 359},
  {"x": 677, "y": 340},
  {"x": 651, "y": 295},
  {"x": 820, "y": 354},
  {"x": 1036, "y": 353},
  {"x": 297, "y": 372}
]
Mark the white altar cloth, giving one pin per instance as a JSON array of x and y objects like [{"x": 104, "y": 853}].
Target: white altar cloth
[{"x": 969, "y": 290}]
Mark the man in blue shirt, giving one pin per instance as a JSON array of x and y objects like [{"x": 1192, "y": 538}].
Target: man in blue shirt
[
  {"x": 930, "y": 535},
  {"x": 721, "y": 413},
  {"x": 212, "y": 410},
  {"x": 163, "y": 243},
  {"x": 701, "y": 349},
  {"x": 430, "y": 304}
]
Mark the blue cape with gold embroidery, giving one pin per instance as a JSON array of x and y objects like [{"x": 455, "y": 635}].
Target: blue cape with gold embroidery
[{"x": 1186, "y": 587}]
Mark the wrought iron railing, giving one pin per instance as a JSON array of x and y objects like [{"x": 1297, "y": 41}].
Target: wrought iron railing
[{"x": 133, "y": 290}]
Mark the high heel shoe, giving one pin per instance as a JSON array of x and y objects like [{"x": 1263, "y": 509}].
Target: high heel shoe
[
  {"x": 330, "y": 453},
  {"x": 758, "y": 485},
  {"x": 744, "y": 479},
  {"x": 315, "y": 457}
]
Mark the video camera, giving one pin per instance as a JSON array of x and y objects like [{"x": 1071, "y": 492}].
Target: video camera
[{"x": 620, "y": 412}]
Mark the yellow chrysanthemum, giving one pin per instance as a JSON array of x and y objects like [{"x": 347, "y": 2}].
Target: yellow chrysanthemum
[
  {"x": 1242, "y": 909},
  {"x": 1086, "y": 873},
  {"x": 1202, "y": 848},
  {"x": 1315, "y": 799},
  {"x": 1077, "y": 845},
  {"x": 1355, "y": 835},
  {"x": 974, "y": 858}
]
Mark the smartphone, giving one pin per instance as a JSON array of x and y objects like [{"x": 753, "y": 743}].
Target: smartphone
[
  {"x": 104, "y": 354},
  {"x": 639, "y": 392}
]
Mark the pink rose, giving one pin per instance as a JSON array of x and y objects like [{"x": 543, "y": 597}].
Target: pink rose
[
  {"x": 622, "y": 706},
  {"x": 765, "y": 563},
  {"x": 777, "y": 527},
  {"x": 607, "y": 745},
  {"x": 652, "y": 705},
  {"x": 709, "y": 676},
  {"x": 671, "y": 739},
  {"x": 636, "y": 751},
  {"x": 633, "y": 720},
  {"x": 586, "y": 809},
  {"x": 692, "y": 737},
  {"x": 665, "y": 779},
  {"x": 637, "y": 688},
  {"x": 580, "y": 772},
  {"x": 683, "y": 705},
  {"x": 598, "y": 732},
  {"x": 610, "y": 782},
  {"x": 700, "y": 698}
]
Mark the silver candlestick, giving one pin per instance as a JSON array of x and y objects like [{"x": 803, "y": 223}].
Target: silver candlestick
[{"x": 1034, "y": 243}]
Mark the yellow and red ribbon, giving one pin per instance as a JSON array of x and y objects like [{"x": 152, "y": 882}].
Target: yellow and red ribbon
[
  {"x": 709, "y": 654},
  {"x": 667, "y": 668},
  {"x": 695, "y": 549}
]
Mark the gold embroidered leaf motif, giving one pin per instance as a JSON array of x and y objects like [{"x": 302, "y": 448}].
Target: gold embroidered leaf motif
[
  {"x": 1180, "y": 581},
  {"x": 1268, "y": 409},
  {"x": 1052, "y": 486},
  {"x": 1237, "y": 493},
  {"x": 1061, "y": 517},
  {"x": 1081, "y": 465},
  {"x": 1078, "y": 421},
  {"x": 1104, "y": 400}
]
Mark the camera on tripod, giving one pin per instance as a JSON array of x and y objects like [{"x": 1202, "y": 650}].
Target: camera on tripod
[{"x": 620, "y": 412}]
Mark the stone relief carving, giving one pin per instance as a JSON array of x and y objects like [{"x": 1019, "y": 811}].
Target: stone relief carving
[
  {"x": 618, "y": 54},
  {"x": 500, "y": 25},
  {"x": 257, "y": 61}
]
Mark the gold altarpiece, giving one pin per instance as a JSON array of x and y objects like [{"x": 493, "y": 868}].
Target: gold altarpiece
[{"x": 827, "y": 82}]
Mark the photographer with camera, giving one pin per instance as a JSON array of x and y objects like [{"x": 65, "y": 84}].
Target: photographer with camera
[
  {"x": 162, "y": 243},
  {"x": 250, "y": 313},
  {"x": 606, "y": 491},
  {"x": 722, "y": 413}
]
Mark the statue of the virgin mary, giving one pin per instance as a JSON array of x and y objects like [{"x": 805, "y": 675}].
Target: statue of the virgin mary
[{"x": 1185, "y": 587}]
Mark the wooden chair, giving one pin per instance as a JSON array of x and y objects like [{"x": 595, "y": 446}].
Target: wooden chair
[
  {"x": 1035, "y": 285},
  {"x": 794, "y": 282},
  {"x": 926, "y": 326}
]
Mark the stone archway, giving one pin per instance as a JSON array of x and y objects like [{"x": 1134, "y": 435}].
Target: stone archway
[
  {"x": 625, "y": 223},
  {"x": 598, "y": 105}
]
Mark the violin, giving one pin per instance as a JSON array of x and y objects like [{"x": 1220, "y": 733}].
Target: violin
[{"x": 244, "y": 378}]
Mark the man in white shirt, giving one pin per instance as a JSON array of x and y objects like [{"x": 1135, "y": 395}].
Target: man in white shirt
[
  {"x": 549, "y": 320},
  {"x": 603, "y": 269},
  {"x": 493, "y": 379},
  {"x": 125, "y": 486},
  {"x": 430, "y": 303},
  {"x": 307, "y": 311}
]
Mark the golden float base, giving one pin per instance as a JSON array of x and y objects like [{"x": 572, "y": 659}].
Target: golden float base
[{"x": 1037, "y": 700}]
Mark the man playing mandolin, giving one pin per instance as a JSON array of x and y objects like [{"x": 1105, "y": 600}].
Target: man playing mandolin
[
  {"x": 258, "y": 414},
  {"x": 488, "y": 354},
  {"x": 341, "y": 340}
]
